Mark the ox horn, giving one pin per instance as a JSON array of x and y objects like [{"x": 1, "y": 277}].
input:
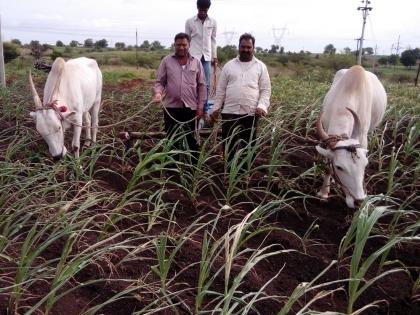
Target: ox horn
[
  {"x": 356, "y": 127},
  {"x": 321, "y": 132},
  {"x": 37, "y": 100}
]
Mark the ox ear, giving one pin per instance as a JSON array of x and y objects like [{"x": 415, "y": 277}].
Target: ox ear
[
  {"x": 68, "y": 115},
  {"x": 324, "y": 152}
]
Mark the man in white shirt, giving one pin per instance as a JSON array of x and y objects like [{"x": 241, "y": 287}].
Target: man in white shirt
[
  {"x": 202, "y": 30},
  {"x": 242, "y": 96}
]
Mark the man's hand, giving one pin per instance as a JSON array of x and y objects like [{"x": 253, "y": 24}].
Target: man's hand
[
  {"x": 215, "y": 115},
  {"x": 207, "y": 118},
  {"x": 259, "y": 112},
  {"x": 214, "y": 62},
  {"x": 157, "y": 98}
]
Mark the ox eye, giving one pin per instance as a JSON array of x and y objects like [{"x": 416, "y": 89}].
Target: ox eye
[{"x": 339, "y": 168}]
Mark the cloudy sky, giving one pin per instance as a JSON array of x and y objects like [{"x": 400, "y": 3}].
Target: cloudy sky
[{"x": 295, "y": 24}]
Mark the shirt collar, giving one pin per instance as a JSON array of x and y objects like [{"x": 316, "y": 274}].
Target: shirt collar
[
  {"x": 190, "y": 57},
  {"x": 197, "y": 19},
  {"x": 254, "y": 59}
]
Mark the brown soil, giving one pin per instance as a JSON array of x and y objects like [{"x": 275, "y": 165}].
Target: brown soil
[{"x": 303, "y": 264}]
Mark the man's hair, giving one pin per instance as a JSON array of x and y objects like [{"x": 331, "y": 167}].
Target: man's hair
[
  {"x": 182, "y": 36},
  {"x": 203, "y": 4},
  {"x": 247, "y": 36}
]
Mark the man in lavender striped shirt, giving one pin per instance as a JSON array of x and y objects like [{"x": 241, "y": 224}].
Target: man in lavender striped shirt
[{"x": 181, "y": 77}]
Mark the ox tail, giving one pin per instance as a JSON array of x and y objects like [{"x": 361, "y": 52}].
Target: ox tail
[{"x": 53, "y": 81}]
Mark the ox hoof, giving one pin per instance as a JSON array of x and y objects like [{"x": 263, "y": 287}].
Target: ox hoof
[{"x": 87, "y": 144}]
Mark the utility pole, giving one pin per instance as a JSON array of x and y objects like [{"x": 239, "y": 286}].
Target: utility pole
[
  {"x": 137, "y": 48},
  {"x": 418, "y": 72},
  {"x": 357, "y": 48},
  {"x": 2, "y": 71},
  {"x": 365, "y": 10},
  {"x": 398, "y": 46},
  {"x": 374, "y": 58}
]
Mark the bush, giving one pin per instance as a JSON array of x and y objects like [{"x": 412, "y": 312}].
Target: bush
[
  {"x": 55, "y": 54},
  {"x": 283, "y": 59},
  {"x": 11, "y": 51},
  {"x": 299, "y": 58},
  {"x": 401, "y": 78},
  {"x": 143, "y": 60},
  {"x": 68, "y": 50},
  {"x": 337, "y": 62}
]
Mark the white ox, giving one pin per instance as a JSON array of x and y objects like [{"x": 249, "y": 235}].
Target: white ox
[
  {"x": 72, "y": 96},
  {"x": 354, "y": 105}
]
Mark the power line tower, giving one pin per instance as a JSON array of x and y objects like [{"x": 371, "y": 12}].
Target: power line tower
[
  {"x": 365, "y": 11},
  {"x": 228, "y": 37},
  {"x": 2, "y": 71},
  {"x": 278, "y": 34},
  {"x": 397, "y": 49}
]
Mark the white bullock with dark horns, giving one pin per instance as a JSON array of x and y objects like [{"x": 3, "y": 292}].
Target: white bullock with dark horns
[
  {"x": 354, "y": 105},
  {"x": 72, "y": 96}
]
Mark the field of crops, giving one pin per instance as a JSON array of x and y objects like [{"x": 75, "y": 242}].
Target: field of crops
[{"x": 128, "y": 229}]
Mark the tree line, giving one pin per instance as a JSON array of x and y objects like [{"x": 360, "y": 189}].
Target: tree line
[{"x": 408, "y": 57}]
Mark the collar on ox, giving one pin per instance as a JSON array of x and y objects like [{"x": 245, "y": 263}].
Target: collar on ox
[
  {"x": 332, "y": 141},
  {"x": 53, "y": 106}
]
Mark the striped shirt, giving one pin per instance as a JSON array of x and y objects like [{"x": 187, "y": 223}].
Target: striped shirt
[{"x": 183, "y": 85}]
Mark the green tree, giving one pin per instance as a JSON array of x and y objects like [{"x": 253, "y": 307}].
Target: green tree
[
  {"x": 347, "y": 51},
  {"x": 156, "y": 45},
  {"x": 274, "y": 49},
  {"x": 88, "y": 43},
  {"x": 16, "y": 42},
  {"x": 329, "y": 49},
  {"x": 383, "y": 61},
  {"x": 145, "y": 45},
  {"x": 368, "y": 51},
  {"x": 408, "y": 58},
  {"x": 101, "y": 43},
  {"x": 10, "y": 51},
  {"x": 45, "y": 47},
  {"x": 59, "y": 43},
  {"x": 119, "y": 45},
  {"x": 417, "y": 52},
  {"x": 393, "y": 59},
  {"x": 36, "y": 48},
  {"x": 74, "y": 43}
]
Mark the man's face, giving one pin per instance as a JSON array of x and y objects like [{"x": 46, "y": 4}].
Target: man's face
[
  {"x": 202, "y": 13},
  {"x": 181, "y": 47},
  {"x": 246, "y": 50}
]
